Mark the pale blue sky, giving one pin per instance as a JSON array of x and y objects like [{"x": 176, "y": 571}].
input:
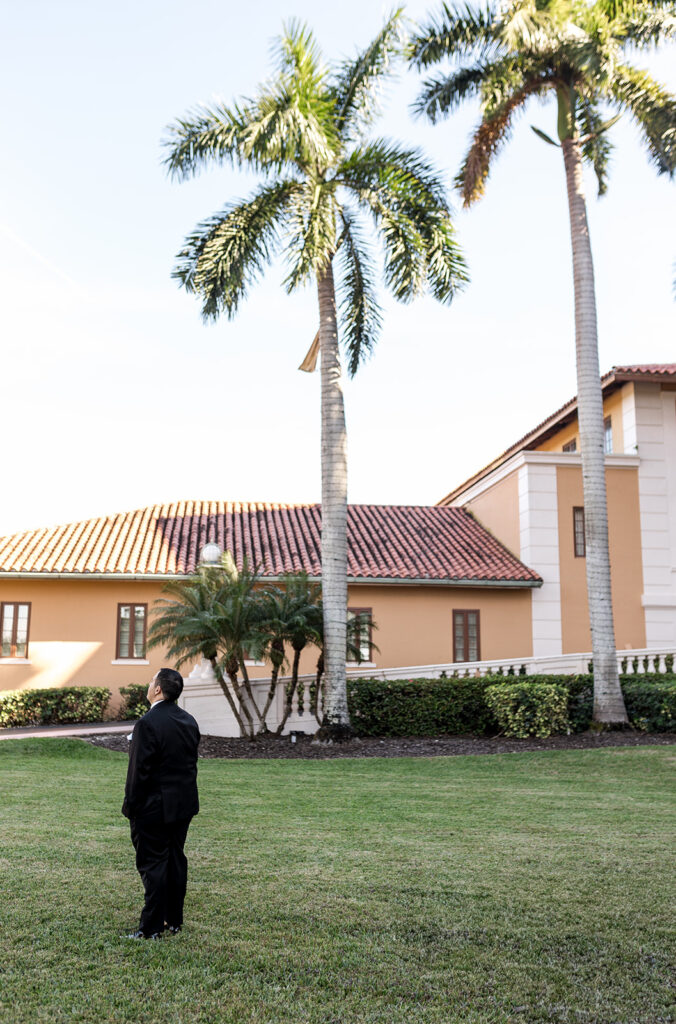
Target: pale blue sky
[{"x": 115, "y": 395}]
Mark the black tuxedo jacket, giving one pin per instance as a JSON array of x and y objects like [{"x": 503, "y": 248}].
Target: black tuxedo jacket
[{"x": 162, "y": 773}]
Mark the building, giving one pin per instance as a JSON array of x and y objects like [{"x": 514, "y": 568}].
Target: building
[
  {"x": 494, "y": 571},
  {"x": 75, "y": 600},
  {"x": 530, "y": 498}
]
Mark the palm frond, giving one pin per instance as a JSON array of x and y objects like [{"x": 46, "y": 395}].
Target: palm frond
[
  {"x": 408, "y": 202},
  {"x": 297, "y": 53},
  {"x": 293, "y": 114},
  {"x": 392, "y": 170},
  {"x": 207, "y": 134},
  {"x": 228, "y": 252},
  {"x": 455, "y": 32},
  {"x": 652, "y": 108},
  {"x": 360, "y": 313},
  {"x": 596, "y": 146},
  {"x": 311, "y": 231},
  {"x": 441, "y": 95},
  {"x": 358, "y": 81},
  {"x": 488, "y": 138},
  {"x": 446, "y": 271},
  {"x": 644, "y": 24}
]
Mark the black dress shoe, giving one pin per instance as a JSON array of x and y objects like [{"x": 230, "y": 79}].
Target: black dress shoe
[{"x": 142, "y": 935}]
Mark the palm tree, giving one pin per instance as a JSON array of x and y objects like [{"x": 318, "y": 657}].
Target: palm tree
[
  {"x": 214, "y": 614},
  {"x": 574, "y": 52},
  {"x": 289, "y": 615},
  {"x": 306, "y": 133}
]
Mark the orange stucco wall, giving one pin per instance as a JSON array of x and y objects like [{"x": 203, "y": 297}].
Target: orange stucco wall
[
  {"x": 415, "y": 623},
  {"x": 498, "y": 510},
  {"x": 625, "y": 560},
  {"x": 74, "y": 622},
  {"x": 612, "y": 406}
]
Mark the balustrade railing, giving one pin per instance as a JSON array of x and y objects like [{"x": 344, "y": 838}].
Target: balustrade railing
[{"x": 203, "y": 697}]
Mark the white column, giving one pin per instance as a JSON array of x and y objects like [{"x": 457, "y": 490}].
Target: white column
[
  {"x": 629, "y": 420},
  {"x": 539, "y": 535},
  {"x": 656, "y": 438}
]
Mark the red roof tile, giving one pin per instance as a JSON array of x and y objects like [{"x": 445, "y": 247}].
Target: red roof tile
[{"x": 388, "y": 542}]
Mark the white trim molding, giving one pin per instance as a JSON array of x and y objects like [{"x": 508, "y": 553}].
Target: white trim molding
[{"x": 129, "y": 661}]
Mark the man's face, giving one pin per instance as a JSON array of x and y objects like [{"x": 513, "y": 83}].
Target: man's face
[{"x": 154, "y": 689}]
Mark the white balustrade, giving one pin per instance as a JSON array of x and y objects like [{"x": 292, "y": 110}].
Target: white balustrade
[{"x": 203, "y": 697}]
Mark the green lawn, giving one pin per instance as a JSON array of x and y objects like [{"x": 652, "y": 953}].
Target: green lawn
[{"x": 520, "y": 887}]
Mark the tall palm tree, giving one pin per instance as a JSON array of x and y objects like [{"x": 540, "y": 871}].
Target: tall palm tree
[
  {"x": 306, "y": 131},
  {"x": 576, "y": 53}
]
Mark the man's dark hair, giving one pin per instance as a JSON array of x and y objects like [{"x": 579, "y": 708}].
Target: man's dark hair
[{"x": 171, "y": 682}]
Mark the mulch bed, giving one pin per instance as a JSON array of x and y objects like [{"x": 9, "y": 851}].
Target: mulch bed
[{"x": 397, "y": 746}]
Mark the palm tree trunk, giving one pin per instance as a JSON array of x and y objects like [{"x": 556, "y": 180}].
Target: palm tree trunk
[
  {"x": 272, "y": 690},
  {"x": 609, "y": 706},
  {"x": 290, "y": 690},
  {"x": 232, "y": 668},
  {"x": 249, "y": 693},
  {"x": 336, "y": 724},
  {"x": 226, "y": 691}
]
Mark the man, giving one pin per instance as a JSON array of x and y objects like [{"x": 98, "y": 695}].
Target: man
[{"x": 160, "y": 799}]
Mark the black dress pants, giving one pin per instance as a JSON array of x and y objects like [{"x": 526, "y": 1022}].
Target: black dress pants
[{"x": 163, "y": 868}]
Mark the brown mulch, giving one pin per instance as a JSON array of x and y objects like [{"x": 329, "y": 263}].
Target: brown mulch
[{"x": 392, "y": 746}]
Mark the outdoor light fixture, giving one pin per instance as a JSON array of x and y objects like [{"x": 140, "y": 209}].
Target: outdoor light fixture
[{"x": 210, "y": 554}]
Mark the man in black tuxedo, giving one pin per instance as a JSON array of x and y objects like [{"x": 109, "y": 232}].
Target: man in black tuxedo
[{"x": 160, "y": 799}]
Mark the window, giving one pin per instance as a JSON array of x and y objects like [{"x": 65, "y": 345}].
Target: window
[
  {"x": 14, "y": 623},
  {"x": 466, "y": 641},
  {"x": 607, "y": 435},
  {"x": 131, "y": 631},
  {"x": 359, "y": 634},
  {"x": 578, "y": 532},
  {"x": 571, "y": 446}
]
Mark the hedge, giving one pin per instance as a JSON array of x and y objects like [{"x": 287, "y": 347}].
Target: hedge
[
  {"x": 54, "y": 706},
  {"x": 420, "y": 707},
  {"x": 134, "y": 701},
  {"x": 432, "y": 707}
]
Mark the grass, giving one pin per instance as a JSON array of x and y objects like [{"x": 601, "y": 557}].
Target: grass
[{"x": 526, "y": 887}]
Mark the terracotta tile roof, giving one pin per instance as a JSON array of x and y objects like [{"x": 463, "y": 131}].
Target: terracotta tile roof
[
  {"x": 390, "y": 542},
  {"x": 610, "y": 381}
]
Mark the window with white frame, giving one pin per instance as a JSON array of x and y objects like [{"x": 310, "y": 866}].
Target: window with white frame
[
  {"x": 14, "y": 625},
  {"x": 608, "y": 435},
  {"x": 131, "y": 631},
  {"x": 570, "y": 446}
]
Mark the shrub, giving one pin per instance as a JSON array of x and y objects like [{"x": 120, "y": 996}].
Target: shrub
[
  {"x": 49, "y": 707},
  {"x": 529, "y": 709},
  {"x": 134, "y": 701},
  {"x": 433, "y": 707},
  {"x": 419, "y": 707},
  {"x": 651, "y": 702}
]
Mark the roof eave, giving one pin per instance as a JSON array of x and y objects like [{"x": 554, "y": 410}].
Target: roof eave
[
  {"x": 379, "y": 580},
  {"x": 609, "y": 383}
]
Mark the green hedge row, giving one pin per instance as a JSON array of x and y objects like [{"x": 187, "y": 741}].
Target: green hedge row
[
  {"x": 134, "y": 702},
  {"x": 432, "y": 707},
  {"x": 49, "y": 707}
]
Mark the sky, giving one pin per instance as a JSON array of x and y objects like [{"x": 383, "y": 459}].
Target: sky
[{"x": 113, "y": 392}]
